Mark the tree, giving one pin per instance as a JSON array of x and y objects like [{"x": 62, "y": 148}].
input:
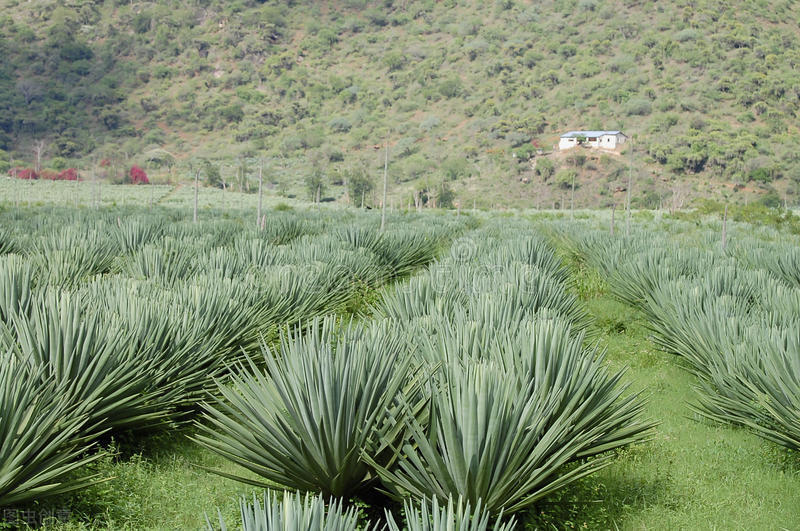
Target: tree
[
  {"x": 29, "y": 89},
  {"x": 545, "y": 168},
  {"x": 359, "y": 184},
  {"x": 454, "y": 168},
  {"x": 213, "y": 175},
  {"x": 446, "y": 196},
  {"x": 565, "y": 178},
  {"x": 39, "y": 148},
  {"x": 241, "y": 174},
  {"x": 315, "y": 184}
]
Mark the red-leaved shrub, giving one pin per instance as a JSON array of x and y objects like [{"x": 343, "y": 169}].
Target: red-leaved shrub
[
  {"x": 23, "y": 173},
  {"x": 70, "y": 174},
  {"x": 138, "y": 175}
]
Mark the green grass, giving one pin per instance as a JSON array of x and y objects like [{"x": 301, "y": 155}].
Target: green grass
[
  {"x": 692, "y": 474},
  {"x": 158, "y": 486}
]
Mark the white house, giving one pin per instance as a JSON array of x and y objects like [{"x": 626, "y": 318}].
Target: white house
[{"x": 595, "y": 139}]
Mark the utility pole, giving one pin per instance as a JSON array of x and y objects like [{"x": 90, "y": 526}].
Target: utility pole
[
  {"x": 385, "y": 174},
  {"x": 628, "y": 198},
  {"x": 613, "y": 211},
  {"x": 572, "y": 199},
  {"x": 260, "y": 184},
  {"x": 725, "y": 229},
  {"x": 196, "y": 191},
  {"x": 16, "y": 183},
  {"x": 96, "y": 186}
]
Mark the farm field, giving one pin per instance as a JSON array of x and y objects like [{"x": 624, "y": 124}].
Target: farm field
[{"x": 156, "y": 370}]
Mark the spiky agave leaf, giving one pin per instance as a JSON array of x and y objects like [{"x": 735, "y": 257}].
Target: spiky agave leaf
[
  {"x": 16, "y": 282},
  {"x": 293, "y": 512},
  {"x": 455, "y": 516},
  {"x": 324, "y": 401},
  {"x": 8, "y": 243},
  {"x": 41, "y": 436}
]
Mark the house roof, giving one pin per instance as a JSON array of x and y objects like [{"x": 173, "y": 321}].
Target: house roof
[{"x": 573, "y": 134}]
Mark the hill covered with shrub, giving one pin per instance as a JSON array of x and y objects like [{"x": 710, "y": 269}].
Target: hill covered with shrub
[{"x": 470, "y": 96}]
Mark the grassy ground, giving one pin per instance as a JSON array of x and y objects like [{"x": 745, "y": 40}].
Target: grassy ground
[
  {"x": 158, "y": 485},
  {"x": 692, "y": 474}
]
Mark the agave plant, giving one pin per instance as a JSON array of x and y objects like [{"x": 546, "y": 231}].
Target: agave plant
[
  {"x": 456, "y": 516},
  {"x": 293, "y": 512},
  {"x": 89, "y": 358},
  {"x": 70, "y": 255},
  {"x": 167, "y": 261},
  {"x": 133, "y": 234},
  {"x": 757, "y": 385},
  {"x": 531, "y": 251},
  {"x": 283, "y": 230},
  {"x": 502, "y": 429},
  {"x": 42, "y": 442},
  {"x": 325, "y": 401},
  {"x": 782, "y": 260},
  {"x": 422, "y": 295},
  {"x": 639, "y": 276},
  {"x": 290, "y": 294},
  {"x": 508, "y": 289},
  {"x": 401, "y": 252}
]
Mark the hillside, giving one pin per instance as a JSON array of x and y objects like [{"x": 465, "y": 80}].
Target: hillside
[{"x": 467, "y": 94}]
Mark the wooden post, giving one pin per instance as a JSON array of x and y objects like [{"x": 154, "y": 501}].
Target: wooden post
[
  {"x": 196, "y": 191},
  {"x": 96, "y": 187},
  {"x": 16, "y": 183},
  {"x": 613, "y": 211},
  {"x": 385, "y": 174},
  {"x": 572, "y": 199},
  {"x": 260, "y": 182},
  {"x": 725, "y": 229},
  {"x": 628, "y": 197}
]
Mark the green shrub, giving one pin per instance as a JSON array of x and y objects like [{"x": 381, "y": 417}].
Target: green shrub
[
  {"x": 638, "y": 107},
  {"x": 340, "y": 124}
]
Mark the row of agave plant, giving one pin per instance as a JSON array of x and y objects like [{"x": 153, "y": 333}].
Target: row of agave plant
[
  {"x": 732, "y": 313},
  {"x": 115, "y": 321},
  {"x": 471, "y": 394}
]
